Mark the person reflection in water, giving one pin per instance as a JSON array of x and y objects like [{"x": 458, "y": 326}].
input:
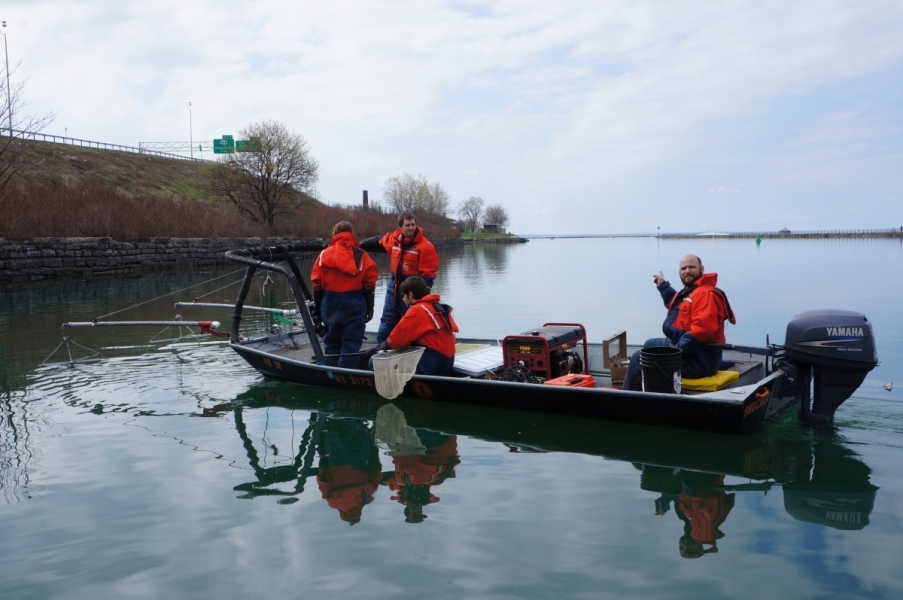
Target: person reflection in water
[
  {"x": 416, "y": 474},
  {"x": 349, "y": 472},
  {"x": 703, "y": 510}
]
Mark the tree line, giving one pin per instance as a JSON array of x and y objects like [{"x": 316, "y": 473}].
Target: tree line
[{"x": 273, "y": 181}]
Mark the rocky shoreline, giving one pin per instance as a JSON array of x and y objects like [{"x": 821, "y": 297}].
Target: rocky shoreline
[{"x": 50, "y": 258}]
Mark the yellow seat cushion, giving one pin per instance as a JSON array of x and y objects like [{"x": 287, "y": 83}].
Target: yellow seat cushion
[{"x": 712, "y": 383}]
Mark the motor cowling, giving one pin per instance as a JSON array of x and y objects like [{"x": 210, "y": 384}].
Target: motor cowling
[{"x": 833, "y": 350}]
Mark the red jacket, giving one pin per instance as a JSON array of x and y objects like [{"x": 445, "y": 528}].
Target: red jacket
[
  {"x": 431, "y": 468},
  {"x": 347, "y": 489},
  {"x": 702, "y": 313},
  {"x": 707, "y": 510},
  {"x": 423, "y": 325},
  {"x": 418, "y": 256},
  {"x": 343, "y": 266}
]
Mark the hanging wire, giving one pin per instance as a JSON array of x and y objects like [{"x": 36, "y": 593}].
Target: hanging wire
[
  {"x": 191, "y": 333},
  {"x": 230, "y": 274},
  {"x": 221, "y": 288}
]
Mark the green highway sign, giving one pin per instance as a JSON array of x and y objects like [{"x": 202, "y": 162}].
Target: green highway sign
[
  {"x": 224, "y": 145},
  {"x": 252, "y": 145}
]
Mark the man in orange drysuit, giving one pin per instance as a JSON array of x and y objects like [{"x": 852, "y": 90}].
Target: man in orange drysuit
[
  {"x": 427, "y": 323},
  {"x": 410, "y": 253},
  {"x": 344, "y": 281},
  {"x": 695, "y": 319}
]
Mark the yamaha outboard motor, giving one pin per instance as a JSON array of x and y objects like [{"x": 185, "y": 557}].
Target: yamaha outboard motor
[{"x": 832, "y": 351}]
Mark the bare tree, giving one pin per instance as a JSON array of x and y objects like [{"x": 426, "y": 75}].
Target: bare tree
[
  {"x": 438, "y": 200},
  {"x": 406, "y": 193},
  {"x": 470, "y": 211},
  {"x": 272, "y": 179},
  {"x": 496, "y": 214},
  {"x": 15, "y": 129}
]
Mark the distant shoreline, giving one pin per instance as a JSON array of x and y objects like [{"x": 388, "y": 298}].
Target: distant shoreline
[{"x": 882, "y": 233}]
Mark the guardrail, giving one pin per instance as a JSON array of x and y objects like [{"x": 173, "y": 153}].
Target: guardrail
[{"x": 59, "y": 139}]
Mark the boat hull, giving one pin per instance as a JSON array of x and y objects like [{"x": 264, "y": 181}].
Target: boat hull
[{"x": 738, "y": 410}]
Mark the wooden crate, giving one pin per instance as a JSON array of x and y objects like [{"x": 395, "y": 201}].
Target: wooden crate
[{"x": 618, "y": 362}]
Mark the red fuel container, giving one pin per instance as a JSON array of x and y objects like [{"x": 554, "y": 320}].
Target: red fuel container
[{"x": 573, "y": 380}]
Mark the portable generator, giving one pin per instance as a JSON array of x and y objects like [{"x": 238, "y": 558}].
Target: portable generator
[{"x": 547, "y": 351}]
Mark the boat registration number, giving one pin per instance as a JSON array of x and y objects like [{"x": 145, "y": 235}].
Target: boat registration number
[{"x": 354, "y": 380}]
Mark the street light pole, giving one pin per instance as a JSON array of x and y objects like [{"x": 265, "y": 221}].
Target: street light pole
[
  {"x": 190, "y": 134},
  {"x": 9, "y": 102}
]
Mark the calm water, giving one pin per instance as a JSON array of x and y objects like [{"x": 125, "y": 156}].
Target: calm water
[{"x": 170, "y": 469}]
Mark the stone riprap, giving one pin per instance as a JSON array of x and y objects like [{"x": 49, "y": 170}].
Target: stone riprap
[{"x": 48, "y": 258}]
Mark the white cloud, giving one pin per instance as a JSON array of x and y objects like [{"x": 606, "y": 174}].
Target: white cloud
[{"x": 645, "y": 102}]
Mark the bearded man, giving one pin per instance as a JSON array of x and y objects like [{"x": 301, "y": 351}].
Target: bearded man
[
  {"x": 695, "y": 320},
  {"x": 410, "y": 254}
]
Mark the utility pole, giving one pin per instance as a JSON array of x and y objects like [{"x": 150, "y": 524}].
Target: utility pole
[
  {"x": 190, "y": 135},
  {"x": 9, "y": 102}
]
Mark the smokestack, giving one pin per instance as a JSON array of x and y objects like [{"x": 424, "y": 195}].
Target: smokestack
[{"x": 366, "y": 202}]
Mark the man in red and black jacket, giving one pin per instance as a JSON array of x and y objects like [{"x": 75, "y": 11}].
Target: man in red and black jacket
[
  {"x": 427, "y": 323},
  {"x": 344, "y": 281},
  {"x": 410, "y": 253},
  {"x": 695, "y": 320}
]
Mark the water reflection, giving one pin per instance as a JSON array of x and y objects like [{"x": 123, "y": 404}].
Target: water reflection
[
  {"x": 700, "y": 502},
  {"x": 18, "y": 452},
  {"x": 495, "y": 257},
  {"x": 348, "y": 471},
  {"x": 422, "y": 459},
  {"x": 822, "y": 480}
]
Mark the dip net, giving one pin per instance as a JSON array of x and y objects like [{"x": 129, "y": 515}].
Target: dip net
[{"x": 393, "y": 369}]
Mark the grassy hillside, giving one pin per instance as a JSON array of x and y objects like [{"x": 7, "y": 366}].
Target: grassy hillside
[
  {"x": 130, "y": 174},
  {"x": 85, "y": 192}
]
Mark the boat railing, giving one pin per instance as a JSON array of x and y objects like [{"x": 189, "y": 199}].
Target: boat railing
[{"x": 278, "y": 259}]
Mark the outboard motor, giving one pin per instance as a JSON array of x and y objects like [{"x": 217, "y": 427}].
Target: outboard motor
[{"x": 832, "y": 351}]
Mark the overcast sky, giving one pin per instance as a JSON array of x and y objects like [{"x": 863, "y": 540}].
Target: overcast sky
[{"x": 578, "y": 117}]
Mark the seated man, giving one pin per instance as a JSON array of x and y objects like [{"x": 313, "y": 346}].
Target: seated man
[
  {"x": 426, "y": 323},
  {"x": 695, "y": 319}
]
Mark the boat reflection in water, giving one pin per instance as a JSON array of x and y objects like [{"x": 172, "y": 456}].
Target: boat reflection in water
[
  {"x": 822, "y": 480},
  {"x": 346, "y": 449}
]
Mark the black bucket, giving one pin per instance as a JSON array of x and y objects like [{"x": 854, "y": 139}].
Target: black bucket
[{"x": 661, "y": 369}]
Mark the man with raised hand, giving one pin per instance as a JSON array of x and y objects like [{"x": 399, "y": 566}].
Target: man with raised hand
[
  {"x": 410, "y": 253},
  {"x": 695, "y": 320}
]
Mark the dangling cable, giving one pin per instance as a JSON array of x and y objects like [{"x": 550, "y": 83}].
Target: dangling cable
[{"x": 171, "y": 293}]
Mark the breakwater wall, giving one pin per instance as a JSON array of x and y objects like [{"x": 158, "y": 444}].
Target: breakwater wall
[
  {"x": 49, "y": 258},
  {"x": 511, "y": 239}
]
